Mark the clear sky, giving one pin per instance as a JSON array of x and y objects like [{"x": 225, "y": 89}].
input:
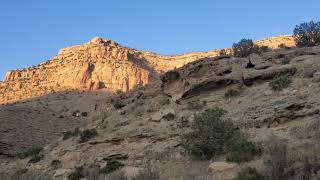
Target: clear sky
[{"x": 33, "y": 31}]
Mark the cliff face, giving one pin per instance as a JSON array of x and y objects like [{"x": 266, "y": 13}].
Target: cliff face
[
  {"x": 95, "y": 65},
  {"x": 99, "y": 64}
]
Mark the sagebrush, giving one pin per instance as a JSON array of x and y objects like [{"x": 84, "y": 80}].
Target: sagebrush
[{"x": 87, "y": 134}]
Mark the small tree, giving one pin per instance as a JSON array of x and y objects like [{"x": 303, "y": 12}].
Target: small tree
[
  {"x": 245, "y": 47},
  {"x": 307, "y": 34},
  {"x": 209, "y": 134}
]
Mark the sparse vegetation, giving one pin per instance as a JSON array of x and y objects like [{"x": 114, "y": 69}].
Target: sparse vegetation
[
  {"x": 223, "y": 52},
  {"x": 164, "y": 101},
  {"x": 210, "y": 134},
  {"x": 249, "y": 173},
  {"x": 70, "y": 134},
  {"x": 264, "y": 49},
  {"x": 169, "y": 117},
  {"x": 241, "y": 150},
  {"x": 84, "y": 114},
  {"x": 88, "y": 134},
  {"x": 77, "y": 174},
  {"x": 280, "y": 82},
  {"x": 36, "y": 158},
  {"x": 285, "y": 61},
  {"x": 111, "y": 166},
  {"x": 282, "y": 46},
  {"x": 245, "y": 47},
  {"x": 307, "y": 34},
  {"x": 117, "y": 103},
  {"x": 147, "y": 174},
  {"x": 232, "y": 93},
  {"x": 195, "y": 105},
  {"x": 32, "y": 152},
  {"x": 304, "y": 161},
  {"x": 275, "y": 159},
  {"x": 117, "y": 175}
]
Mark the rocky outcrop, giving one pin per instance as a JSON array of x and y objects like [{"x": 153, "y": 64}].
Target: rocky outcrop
[
  {"x": 216, "y": 73},
  {"x": 98, "y": 64}
]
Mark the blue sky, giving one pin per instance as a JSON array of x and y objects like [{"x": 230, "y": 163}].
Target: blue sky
[{"x": 33, "y": 31}]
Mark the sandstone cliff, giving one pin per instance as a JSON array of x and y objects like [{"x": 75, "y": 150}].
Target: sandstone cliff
[{"x": 100, "y": 64}]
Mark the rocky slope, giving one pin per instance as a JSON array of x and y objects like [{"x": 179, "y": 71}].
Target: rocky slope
[
  {"x": 99, "y": 64},
  {"x": 143, "y": 127}
]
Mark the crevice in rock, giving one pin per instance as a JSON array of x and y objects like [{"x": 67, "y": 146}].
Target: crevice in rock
[{"x": 208, "y": 86}]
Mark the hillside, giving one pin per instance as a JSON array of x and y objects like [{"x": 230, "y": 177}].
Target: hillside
[
  {"x": 99, "y": 64},
  {"x": 142, "y": 127}
]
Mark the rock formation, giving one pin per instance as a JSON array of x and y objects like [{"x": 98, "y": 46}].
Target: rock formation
[{"x": 99, "y": 64}]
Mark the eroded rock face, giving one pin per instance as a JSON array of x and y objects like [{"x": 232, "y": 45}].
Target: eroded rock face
[
  {"x": 215, "y": 73},
  {"x": 98, "y": 64}
]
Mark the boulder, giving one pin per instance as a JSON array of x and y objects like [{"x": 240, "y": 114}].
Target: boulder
[{"x": 258, "y": 62}]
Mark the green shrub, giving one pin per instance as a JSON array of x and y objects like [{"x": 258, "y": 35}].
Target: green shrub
[
  {"x": 88, "y": 134},
  {"x": 169, "y": 117},
  {"x": 36, "y": 158},
  {"x": 241, "y": 150},
  {"x": 70, "y": 134},
  {"x": 77, "y": 174},
  {"x": 275, "y": 159},
  {"x": 232, "y": 93},
  {"x": 111, "y": 166},
  {"x": 147, "y": 174},
  {"x": 249, "y": 173},
  {"x": 30, "y": 152},
  {"x": 280, "y": 82},
  {"x": 209, "y": 134},
  {"x": 307, "y": 34},
  {"x": 245, "y": 47}
]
